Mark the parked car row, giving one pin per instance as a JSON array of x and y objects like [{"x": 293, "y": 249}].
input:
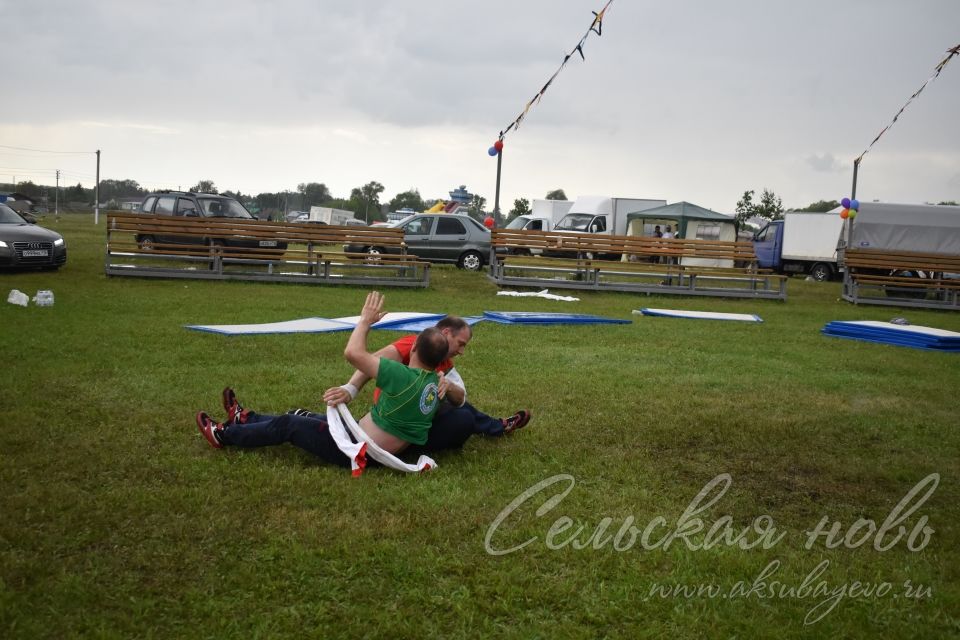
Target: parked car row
[{"x": 450, "y": 238}]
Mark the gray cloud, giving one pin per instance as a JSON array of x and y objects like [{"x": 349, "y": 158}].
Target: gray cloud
[
  {"x": 825, "y": 163},
  {"x": 745, "y": 90}
]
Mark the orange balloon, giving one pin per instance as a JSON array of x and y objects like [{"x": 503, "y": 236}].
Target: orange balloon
[{"x": 845, "y": 213}]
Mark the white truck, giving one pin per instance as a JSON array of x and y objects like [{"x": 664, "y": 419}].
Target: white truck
[
  {"x": 800, "y": 243},
  {"x": 603, "y": 214},
  {"x": 543, "y": 216},
  {"x": 328, "y": 215}
]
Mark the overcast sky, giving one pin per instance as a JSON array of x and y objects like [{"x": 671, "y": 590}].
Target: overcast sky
[{"x": 695, "y": 101}]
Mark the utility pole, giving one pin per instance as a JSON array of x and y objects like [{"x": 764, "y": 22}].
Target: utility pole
[
  {"x": 853, "y": 195},
  {"x": 496, "y": 198},
  {"x": 56, "y": 197},
  {"x": 96, "y": 193}
]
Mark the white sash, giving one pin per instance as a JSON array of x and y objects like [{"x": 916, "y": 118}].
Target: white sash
[{"x": 339, "y": 420}]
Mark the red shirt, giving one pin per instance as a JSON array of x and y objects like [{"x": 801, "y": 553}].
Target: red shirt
[{"x": 405, "y": 345}]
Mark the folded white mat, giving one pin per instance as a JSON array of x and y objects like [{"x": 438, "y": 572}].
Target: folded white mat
[{"x": 698, "y": 315}]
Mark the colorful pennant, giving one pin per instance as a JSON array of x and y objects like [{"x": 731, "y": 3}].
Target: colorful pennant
[
  {"x": 950, "y": 53},
  {"x": 596, "y": 26}
]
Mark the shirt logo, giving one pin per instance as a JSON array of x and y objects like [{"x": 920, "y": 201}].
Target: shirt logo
[{"x": 429, "y": 398}]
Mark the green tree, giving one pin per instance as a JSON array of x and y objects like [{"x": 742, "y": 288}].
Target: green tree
[
  {"x": 346, "y": 205},
  {"x": 475, "y": 208},
  {"x": 28, "y": 188},
  {"x": 521, "y": 207},
  {"x": 408, "y": 199},
  {"x": 270, "y": 205},
  {"x": 556, "y": 194},
  {"x": 821, "y": 206},
  {"x": 204, "y": 186},
  {"x": 111, "y": 189},
  {"x": 367, "y": 198},
  {"x": 77, "y": 192},
  {"x": 770, "y": 208},
  {"x": 313, "y": 194},
  {"x": 951, "y": 203}
]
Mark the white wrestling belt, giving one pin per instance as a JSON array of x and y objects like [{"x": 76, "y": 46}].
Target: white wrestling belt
[{"x": 340, "y": 420}]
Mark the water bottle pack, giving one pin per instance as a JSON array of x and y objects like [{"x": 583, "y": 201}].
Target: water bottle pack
[{"x": 44, "y": 298}]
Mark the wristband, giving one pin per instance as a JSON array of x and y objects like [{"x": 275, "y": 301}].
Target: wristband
[{"x": 352, "y": 390}]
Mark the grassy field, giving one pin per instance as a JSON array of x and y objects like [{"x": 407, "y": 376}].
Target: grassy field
[{"x": 118, "y": 520}]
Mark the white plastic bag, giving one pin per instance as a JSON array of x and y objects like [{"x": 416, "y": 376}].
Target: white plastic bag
[{"x": 18, "y": 297}]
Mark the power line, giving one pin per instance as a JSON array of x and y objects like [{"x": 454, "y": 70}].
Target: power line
[
  {"x": 75, "y": 173},
  {"x": 3, "y": 146},
  {"x": 25, "y": 169}
]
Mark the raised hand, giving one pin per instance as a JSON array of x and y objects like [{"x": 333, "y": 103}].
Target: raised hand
[{"x": 372, "y": 311}]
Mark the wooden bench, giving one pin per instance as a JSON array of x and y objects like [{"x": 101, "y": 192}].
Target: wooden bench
[
  {"x": 737, "y": 253},
  {"x": 901, "y": 278},
  {"x": 240, "y": 249},
  {"x": 633, "y": 263}
]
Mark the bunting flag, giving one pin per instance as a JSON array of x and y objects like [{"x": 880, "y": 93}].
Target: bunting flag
[
  {"x": 936, "y": 72},
  {"x": 596, "y": 26}
]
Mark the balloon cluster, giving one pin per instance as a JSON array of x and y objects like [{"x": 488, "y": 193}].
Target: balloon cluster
[
  {"x": 850, "y": 208},
  {"x": 496, "y": 148}
]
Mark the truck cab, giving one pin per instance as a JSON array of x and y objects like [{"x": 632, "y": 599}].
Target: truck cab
[
  {"x": 768, "y": 245},
  {"x": 530, "y": 223},
  {"x": 800, "y": 243},
  {"x": 582, "y": 223}
]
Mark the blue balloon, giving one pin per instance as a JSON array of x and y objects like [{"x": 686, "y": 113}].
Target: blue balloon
[
  {"x": 855, "y": 205},
  {"x": 846, "y": 203},
  {"x": 492, "y": 151}
]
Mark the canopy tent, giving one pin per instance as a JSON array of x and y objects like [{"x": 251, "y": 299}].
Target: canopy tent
[{"x": 689, "y": 221}]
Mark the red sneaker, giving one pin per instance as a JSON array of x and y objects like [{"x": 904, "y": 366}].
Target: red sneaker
[
  {"x": 235, "y": 412},
  {"x": 210, "y": 430},
  {"x": 517, "y": 421}
]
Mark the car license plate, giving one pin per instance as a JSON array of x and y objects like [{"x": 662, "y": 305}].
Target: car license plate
[
  {"x": 35, "y": 253},
  {"x": 268, "y": 243}
]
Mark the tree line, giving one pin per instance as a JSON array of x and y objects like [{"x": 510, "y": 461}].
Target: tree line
[
  {"x": 365, "y": 201},
  {"x": 770, "y": 207}
]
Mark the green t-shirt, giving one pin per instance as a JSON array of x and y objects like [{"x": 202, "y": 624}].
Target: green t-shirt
[{"x": 408, "y": 400}]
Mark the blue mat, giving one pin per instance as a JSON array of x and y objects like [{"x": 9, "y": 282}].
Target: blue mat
[
  {"x": 916, "y": 337},
  {"x": 319, "y": 325},
  {"x": 536, "y": 317}
]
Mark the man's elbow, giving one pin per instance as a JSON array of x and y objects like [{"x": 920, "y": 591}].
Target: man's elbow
[{"x": 352, "y": 355}]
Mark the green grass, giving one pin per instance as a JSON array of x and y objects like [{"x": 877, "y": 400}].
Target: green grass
[{"x": 117, "y": 520}]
